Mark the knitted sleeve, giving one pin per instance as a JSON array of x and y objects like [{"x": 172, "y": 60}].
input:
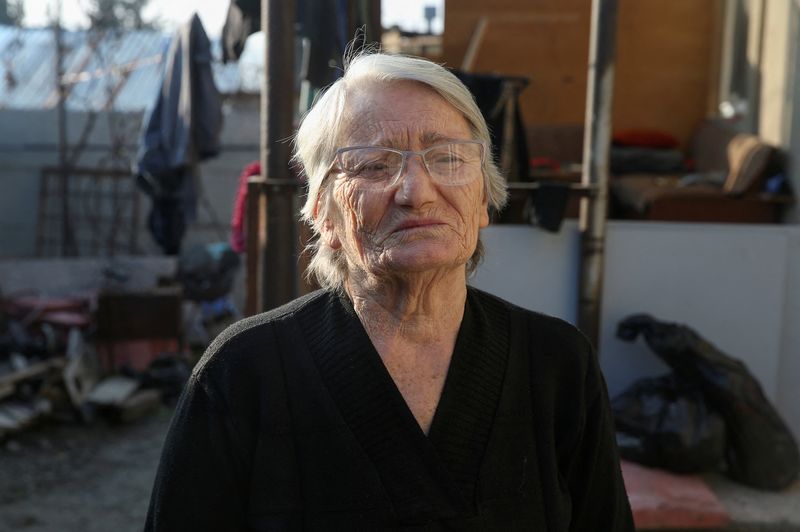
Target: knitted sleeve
[
  {"x": 575, "y": 432},
  {"x": 199, "y": 483},
  {"x": 599, "y": 499}
]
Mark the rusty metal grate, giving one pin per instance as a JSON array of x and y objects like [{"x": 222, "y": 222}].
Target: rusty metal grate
[{"x": 102, "y": 208}]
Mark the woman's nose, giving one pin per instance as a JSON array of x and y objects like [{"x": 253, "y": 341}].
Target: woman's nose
[{"x": 415, "y": 186}]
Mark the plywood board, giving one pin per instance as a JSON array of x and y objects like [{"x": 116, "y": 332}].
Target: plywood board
[{"x": 664, "y": 51}]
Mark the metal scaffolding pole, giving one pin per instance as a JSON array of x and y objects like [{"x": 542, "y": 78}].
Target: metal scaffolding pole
[
  {"x": 596, "y": 145},
  {"x": 69, "y": 247},
  {"x": 278, "y": 275},
  {"x": 272, "y": 226}
]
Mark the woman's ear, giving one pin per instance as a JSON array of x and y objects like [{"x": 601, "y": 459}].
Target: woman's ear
[
  {"x": 327, "y": 232},
  {"x": 327, "y": 227},
  {"x": 484, "y": 216}
]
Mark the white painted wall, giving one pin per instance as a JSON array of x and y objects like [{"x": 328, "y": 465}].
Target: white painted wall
[
  {"x": 736, "y": 285},
  {"x": 789, "y": 364}
]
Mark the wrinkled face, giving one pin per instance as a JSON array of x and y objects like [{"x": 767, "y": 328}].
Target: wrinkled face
[{"x": 416, "y": 225}]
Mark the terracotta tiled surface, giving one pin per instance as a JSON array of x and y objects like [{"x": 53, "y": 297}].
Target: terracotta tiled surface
[
  {"x": 136, "y": 354},
  {"x": 662, "y": 500}
]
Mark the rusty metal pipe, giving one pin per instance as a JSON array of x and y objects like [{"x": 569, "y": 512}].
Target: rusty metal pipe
[
  {"x": 277, "y": 273},
  {"x": 596, "y": 146}
]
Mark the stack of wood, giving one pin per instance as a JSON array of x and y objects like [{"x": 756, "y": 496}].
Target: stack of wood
[{"x": 47, "y": 368}]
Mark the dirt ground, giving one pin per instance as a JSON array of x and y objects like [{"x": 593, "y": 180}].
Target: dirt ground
[
  {"x": 97, "y": 478},
  {"x": 67, "y": 477}
]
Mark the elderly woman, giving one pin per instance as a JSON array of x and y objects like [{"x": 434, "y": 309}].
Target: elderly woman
[{"x": 397, "y": 397}]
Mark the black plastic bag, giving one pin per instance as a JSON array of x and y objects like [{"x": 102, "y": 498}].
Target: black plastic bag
[
  {"x": 760, "y": 450},
  {"x": 167, "y": 373},
  {"x": 665, "y": 422},
  {"x": 207, "y": 271}
]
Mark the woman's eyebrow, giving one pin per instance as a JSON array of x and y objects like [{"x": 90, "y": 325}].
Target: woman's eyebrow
[
  {"x": 434, "y": 137},
  {"x": 429, "y": 138}
]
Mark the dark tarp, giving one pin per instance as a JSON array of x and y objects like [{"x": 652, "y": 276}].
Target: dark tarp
[
  {"x": 243, "y": 19},
  {"x": 324, "y": 23},
  {"x": 490, "y": 92},
  {"x": 182, "y": 129}
]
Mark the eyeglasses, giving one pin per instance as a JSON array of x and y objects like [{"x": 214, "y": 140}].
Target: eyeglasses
[{"x": 454, "y": 163}]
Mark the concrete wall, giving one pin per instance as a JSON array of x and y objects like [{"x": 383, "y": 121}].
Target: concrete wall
[
  {"x": 737, "y": 285},
  {"x": 56, "y": 277},
  {"x": 28, "y": 141}
]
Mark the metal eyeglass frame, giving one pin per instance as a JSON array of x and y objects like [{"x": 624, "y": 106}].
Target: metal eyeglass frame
[{"x": 406, "y": 154}]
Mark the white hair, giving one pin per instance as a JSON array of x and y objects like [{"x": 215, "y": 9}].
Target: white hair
[{"x": 319, "y": 134}]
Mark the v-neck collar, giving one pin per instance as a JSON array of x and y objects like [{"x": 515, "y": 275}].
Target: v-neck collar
[
  {"x": 425, "y": 477},
  {"x": 463, "y": 420}
]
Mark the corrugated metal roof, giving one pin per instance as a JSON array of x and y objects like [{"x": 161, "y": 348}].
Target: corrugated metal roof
[{"x": 128, "y": 63}]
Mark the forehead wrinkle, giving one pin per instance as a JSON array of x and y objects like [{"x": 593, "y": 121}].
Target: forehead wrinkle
[
  {"x": 431, "y": 122},
  {"x": 402, "y": 134},
  {"x": 379, "y": 133}
]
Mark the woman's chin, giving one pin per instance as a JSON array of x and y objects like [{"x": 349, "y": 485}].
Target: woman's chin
[{"x": 421, "y": 257}]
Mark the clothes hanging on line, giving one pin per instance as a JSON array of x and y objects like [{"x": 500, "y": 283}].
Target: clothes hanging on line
[
  {"x": 182, "y": 129},
  {"x": 238, "y": 236}
]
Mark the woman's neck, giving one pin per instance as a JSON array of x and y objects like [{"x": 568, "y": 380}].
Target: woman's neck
[{"x": 421, "y": 309}]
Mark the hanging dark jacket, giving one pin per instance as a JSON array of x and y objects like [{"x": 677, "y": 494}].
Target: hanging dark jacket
[
  {"x": 184, "y": 125},
  {"x": 182, "y": 129}
]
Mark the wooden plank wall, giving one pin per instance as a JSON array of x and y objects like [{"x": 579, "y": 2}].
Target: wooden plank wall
[{"x": 665, "y": 56}]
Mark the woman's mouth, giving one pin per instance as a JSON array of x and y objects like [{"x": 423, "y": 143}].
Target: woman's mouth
[{"x": 409, "y": 225}]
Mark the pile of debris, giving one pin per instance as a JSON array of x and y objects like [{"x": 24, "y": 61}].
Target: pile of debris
[{"x": 57, "y": 362}]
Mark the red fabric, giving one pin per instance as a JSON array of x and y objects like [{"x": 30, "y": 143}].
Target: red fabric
[
  {"x": 645, "y": 138},
  {"x": 545, "y": 162},
  {"x": 238, "y": 238},
  {"x": 46, "y": 304},
  {"x": 60, "y": 311}
]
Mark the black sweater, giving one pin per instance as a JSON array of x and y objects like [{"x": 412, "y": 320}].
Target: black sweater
[{"x": 291, "y": 422}]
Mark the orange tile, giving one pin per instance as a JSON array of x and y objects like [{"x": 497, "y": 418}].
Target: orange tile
[{"x": 660, "y": 499}]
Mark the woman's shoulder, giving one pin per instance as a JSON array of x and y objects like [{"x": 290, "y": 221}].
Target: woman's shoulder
[
  {"x": 545, "y": 330},
  {"x": 252, "y": 342},
  {"x": 556, "y": 349}
]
